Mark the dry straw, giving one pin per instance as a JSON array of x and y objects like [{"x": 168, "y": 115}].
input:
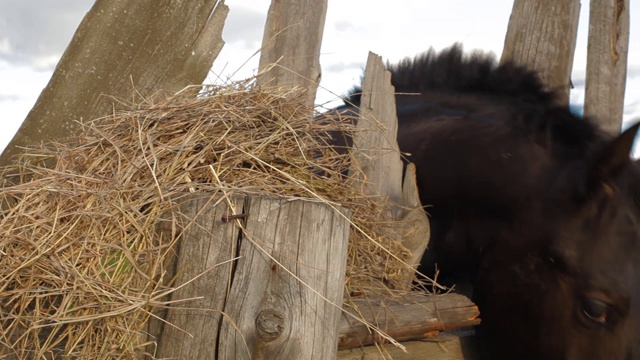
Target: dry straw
[{"x": 81, "y": 267}]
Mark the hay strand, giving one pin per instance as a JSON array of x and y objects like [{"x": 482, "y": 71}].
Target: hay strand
[{"x": 82, "y": 263}]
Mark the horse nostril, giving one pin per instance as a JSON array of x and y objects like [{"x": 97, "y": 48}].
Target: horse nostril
[{"x": 595, "y": 310}]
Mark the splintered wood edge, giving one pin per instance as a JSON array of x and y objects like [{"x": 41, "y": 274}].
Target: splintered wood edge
[
  {"x": 375, "y": 147},
  {"x": 417, "y": 231},
  {"x": 377, "y": 154}
]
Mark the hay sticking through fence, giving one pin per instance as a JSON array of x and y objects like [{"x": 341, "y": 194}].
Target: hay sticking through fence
[{"x": 81, "y": 266}]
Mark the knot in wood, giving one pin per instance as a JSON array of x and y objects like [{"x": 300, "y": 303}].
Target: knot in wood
[{"x": 269, "y": 324}]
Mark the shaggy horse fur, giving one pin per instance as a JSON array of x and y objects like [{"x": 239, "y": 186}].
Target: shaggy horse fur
[{"x": 532, "y": 205}]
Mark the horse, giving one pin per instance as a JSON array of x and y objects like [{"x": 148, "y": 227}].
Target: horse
[{"x": 535, "y": 207}]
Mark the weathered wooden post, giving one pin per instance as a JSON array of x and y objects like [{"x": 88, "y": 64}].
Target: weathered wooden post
[
  {"x": 607, "y": 62},
  {"x": 542, "y": 35},
  {"x": 291, "y": 43},
  {"x": 266, "y": 276}
]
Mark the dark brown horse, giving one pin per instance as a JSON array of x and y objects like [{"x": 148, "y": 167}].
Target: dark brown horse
[{"x": 531, "y": 204}]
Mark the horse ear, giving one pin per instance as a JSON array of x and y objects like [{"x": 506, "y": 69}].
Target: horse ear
[{"x": 611, "y": 159}]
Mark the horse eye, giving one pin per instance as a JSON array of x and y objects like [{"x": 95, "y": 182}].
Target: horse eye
[{"x": 595, "y": 310}]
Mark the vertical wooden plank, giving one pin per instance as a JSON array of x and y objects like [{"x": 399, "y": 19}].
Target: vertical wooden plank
[
  {"x": 542, "y": 36},
  {"x": 415, "y": 231},
  {"x": 608, "y": 47},
  {"x": 272, "y": 314},
  {"x": 376, "y": 152},
  {"x": 291, "y": 45},
  {"x": 322, "y": 263},
  {"x": 375, "y": 147},
  {"x": 206, "y": 243}
]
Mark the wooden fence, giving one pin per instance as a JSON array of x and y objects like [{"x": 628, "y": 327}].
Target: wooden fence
[
  {"x": 266, "y": 275},
  {"x": 277, "y": 291}
]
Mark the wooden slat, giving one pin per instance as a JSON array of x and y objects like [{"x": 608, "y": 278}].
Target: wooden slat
[
  {"x": 542, "y": 36},
  {"x": 378, "y": 166},
  {"x": 270, "y": 313},
  {"x": 410, "y": 317},
  {"x": 254, "y": 307},
  {"x": 207, "y": 242},
  {"x": 607, "y": 62},
  {"x": 290, "y": 54},
  {"x": 375, "y": 148}
]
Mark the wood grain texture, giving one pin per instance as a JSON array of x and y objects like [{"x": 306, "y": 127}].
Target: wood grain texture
[
  {"x": 415, "y": 232},
  {"x": 123, "y": 49},
  {"x": 542, "y": 36},
  {"x": 257, "y": 306},
  {"x": 270, "y": 313},
  {"x": 607, "y": 51},
  {"x": 206, "y": 243},
  {"x": 290, "y": 55},
  {"x": 375, "y": 147},
  {"x": 379, "y": 167},
  {"x": 409, "y": 317}
]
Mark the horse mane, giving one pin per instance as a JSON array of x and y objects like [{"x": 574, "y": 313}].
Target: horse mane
[{"x": 477, "y": 72}]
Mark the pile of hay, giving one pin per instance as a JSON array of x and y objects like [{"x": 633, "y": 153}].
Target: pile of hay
[{"x": 81, "y": 267}]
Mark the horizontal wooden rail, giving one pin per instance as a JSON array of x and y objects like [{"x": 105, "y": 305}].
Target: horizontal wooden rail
[{"x": 408, "y": 317}]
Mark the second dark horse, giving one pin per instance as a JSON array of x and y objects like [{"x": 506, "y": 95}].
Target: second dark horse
[{"x": 531, "y": 204}]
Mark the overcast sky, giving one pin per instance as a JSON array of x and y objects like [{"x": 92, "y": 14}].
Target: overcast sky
[{"x": 34, "y": 33}]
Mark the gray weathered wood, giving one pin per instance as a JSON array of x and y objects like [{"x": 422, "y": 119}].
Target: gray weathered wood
[
  {"x": 268, "y": 312},
  {"x": 375, "y": 147},
  {"x": 376, "y": 153},
  {"x": 542, "y": 36},
  {"x": 123, "y": 49},
  {"x": 206, "y": 243},
  {"x": 415, "y": 231},
  {"x": 439, "y": 348},
  {"x": 607, "y": 62},
  {"x": 291, "y": 45},
  {"x": 409, "y": 317},
  {"x": 252, "y": 307}
]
